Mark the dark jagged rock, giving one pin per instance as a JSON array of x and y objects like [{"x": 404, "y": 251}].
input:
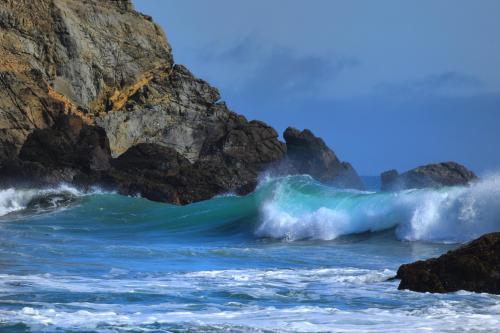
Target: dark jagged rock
[
  {"x": 431, "y": 175},
  {"x": 70, "y": 152},
  {"x": 160, "y": 173},
  {"x": 76, "y": 153},
  {"x": 308, "y": 154},
  {"x": 473, "y": 267}
]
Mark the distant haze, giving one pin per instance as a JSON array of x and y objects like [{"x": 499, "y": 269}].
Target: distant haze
[{"x": 387, "y": 83}]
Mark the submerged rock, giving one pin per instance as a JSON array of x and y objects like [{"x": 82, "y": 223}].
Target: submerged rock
[
  {"x": 473, "y": 267},
  {"x": 431, "y": 175},
  {"x": 308, "y": 154},
  {"x": 49, "y": 201}
]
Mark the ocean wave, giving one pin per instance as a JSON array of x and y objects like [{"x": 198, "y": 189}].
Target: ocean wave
[
  {"x": 300, "y": 209},
  {"x": 294, "y": 208}
]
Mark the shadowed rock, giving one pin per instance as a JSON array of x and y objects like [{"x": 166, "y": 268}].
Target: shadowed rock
[
  {"x": 308, "y": 154},
  {"x": 79, "y": 154},
  {"x": 69, "y": 152},
  {"x": 473, "y": 267},
  {"x": 431, "y": 175}
]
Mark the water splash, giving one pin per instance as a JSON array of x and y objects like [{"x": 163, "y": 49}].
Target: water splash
[{"x": 299, "y": 208}]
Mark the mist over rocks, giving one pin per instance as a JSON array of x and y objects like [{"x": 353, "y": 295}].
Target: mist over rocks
[
  {"x": 308, "y": 154},
  {"x": 431, "y": 175},
  {"x": 472, "y": 267}
]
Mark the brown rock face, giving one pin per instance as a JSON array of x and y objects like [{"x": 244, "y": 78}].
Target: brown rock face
[
  {"x": 308, "y": 154},
  {"x": 473, "y": 267},
  {"x": 70, "y": 56}
]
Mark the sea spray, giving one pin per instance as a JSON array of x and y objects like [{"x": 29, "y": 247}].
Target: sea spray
[{"x": 299, "y": 208}]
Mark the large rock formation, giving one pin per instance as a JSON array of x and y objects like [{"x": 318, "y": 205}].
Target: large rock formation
[
  {"x": 431, "y": 175},
  {"x": 90, "y": 95},
  {"x": 308, "y": 154},
  {"x": 473, "y": 267},
  {"x": 112, "y": 68}
]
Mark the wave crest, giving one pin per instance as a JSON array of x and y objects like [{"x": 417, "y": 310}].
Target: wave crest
[{"x": 299, "y": 209}]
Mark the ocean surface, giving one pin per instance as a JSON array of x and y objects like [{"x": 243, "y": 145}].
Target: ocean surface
[{"x": 295, "y": 256}]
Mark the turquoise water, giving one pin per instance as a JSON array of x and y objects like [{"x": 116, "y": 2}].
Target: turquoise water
[{"x": 295, "y": 256}]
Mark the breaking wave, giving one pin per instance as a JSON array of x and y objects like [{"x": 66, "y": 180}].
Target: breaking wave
[
  {"x": 296, "y": 208},
  {"x": 300, "y": 208}
]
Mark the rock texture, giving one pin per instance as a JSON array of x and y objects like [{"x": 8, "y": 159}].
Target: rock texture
[
  {"x": 308, "y": 154},
  {"x": 70, "y": 151},
  {"x": 71, "y": 56},
  {"x": 87, "y": 87},
  {"x": 473, "y": 267},
  {"x": 90, "y": 95},
  {"x": 431, "y": 175}
]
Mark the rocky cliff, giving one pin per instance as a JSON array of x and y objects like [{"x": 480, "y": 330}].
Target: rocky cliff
[
  {"x": 88, "y": 88},
  {"x": 70, "y": 56}
]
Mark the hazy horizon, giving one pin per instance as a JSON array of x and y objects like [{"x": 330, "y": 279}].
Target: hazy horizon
[{"x": 386, "y": 84}]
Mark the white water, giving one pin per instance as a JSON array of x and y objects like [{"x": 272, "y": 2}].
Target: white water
[
  {"x": 453, "y": 214},
  {"x": 14, "y": 200},
  {"x": 427, "y": 312}
]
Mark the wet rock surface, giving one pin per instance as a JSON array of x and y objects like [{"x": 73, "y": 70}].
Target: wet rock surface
[
  {"x": 431, "y": 175},
  {"x": 472, "y": 267}
]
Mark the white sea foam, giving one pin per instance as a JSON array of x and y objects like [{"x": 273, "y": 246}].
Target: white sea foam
[
  {"x": 289, "y": 300},
  {"x": 441, "y": 316},
  {"x": 453, "y": 214},
  {"x": 12, "y": 200},
  {"x": 262, "y": 284},
  {"x": 255, "y": 282}
]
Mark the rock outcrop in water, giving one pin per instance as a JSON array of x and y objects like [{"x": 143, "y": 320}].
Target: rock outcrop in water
[
  {"x": 431, "y": 175},
  {"x": 308, "y": 154},
  {"x": 473, "y": 267},
  {"x": 90, "y": 95}
]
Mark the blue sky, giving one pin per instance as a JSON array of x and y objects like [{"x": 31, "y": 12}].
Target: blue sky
[{"x": 387, "y": 83}]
